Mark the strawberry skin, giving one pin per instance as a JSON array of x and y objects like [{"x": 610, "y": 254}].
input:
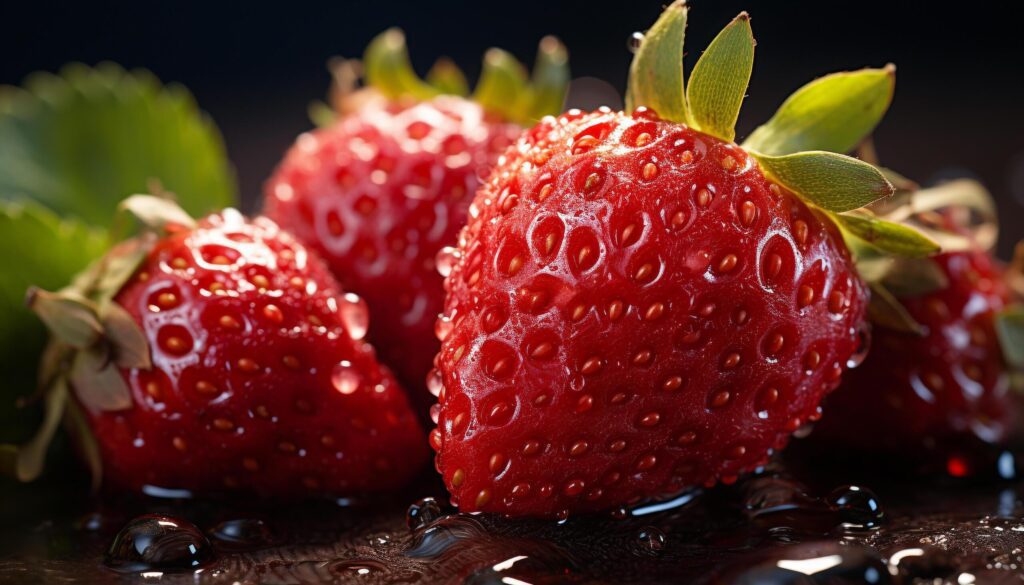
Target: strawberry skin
[
  {"x": 377, "y": 195},
  {"x": 260, "y": 380},
  {"x": 920, "y": 393},
  {"x": 632, "y": 309}
]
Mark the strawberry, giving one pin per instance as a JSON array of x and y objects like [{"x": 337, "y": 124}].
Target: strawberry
[
  {"x": 380, "y": 191},
  {"x": 638, "y": 304},
  {"x": 941, "y": 381},
  {"x": 222, "y": 356}
]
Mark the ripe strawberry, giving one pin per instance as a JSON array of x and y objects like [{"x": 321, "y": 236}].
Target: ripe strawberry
[
  {"x": 936, "y": 380},
  {"x": 636, "y": 306},
  {"x": 915, "y": 393},
  {"x": 382, "y": 190},
  {"x": 225, "y": 357}
]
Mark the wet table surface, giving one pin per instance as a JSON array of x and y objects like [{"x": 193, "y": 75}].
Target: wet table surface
[{"x": 804, "y": 519}]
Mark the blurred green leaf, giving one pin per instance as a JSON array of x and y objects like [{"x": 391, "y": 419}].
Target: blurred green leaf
[
  {"x": 39, "y": 249},
  {"x": 80, "y": 141},
  {"x": 1010, "y": 327}
]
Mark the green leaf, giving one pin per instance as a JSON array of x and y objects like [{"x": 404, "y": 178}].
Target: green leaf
[
  {"x": 834, "y": 182},
  {"x": 656, "y": 74},
  {"x": 550, "y": 79},
  {"x": 719, "y": 80},
  {"x": 891, "y": 237},
  {"x": 81, "y": 141},
  {"x": 447, "y": 78},
  {"x": 39, "y": 249},
  {"x": 388, "y": 69},
  {"x": 1010, "y": 327},
  {"x": 502, "y": 87},
  {"x": 833, "y": 113}
]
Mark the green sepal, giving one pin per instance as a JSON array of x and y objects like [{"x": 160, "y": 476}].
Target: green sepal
[
  {"x": 321, "y": 114},
  {"x": 895, "y": 238},
  {"x": 549, "y": 80},
  {"x": 914, "y": 277},
  {"x": 833, "y": 113},
  {"x": 502, "y": 88},
  {"x": 1010, "y": 328},
  {"x": 387, "y": 68},
  {"x": 447, "y": 78},
  {"x": 719, "y": 80},
  {"x": 656, "y": 73},
  {"x": 831, "y": 181},
  {"x": 885, "y": 310}
]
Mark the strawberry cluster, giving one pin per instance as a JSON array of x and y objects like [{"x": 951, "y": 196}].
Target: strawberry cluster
[{"x": 608, "y": 306}]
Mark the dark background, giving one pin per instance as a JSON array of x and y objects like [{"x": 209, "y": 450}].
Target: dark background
[{"x": 256, "y": 66}]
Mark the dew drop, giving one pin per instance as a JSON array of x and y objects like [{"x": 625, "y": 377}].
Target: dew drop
[
  {"x": 421, "y": 513},
  {"x": 446, "y": 259},
  {"x": 241, "y": 534},
  {"x": 649, "y": 541},
  {"x": 345, "y": 378},
  {"x": 354, "y": 315},
  {"x": 158, "y": 542},
  {"x": 635, "y": 40}
]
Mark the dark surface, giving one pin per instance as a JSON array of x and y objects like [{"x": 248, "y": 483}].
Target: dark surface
[
  {"x": 256, "y": 66},
  {"x": 797, "y": 522}
]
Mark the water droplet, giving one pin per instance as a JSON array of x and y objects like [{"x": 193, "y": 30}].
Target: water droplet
[
  {"x": 345, "y": 378},
  {"x": 422, "y": 513},
  {"x": 863, "y": 346},
  {"x": 635, "y": 40},
  {"x": 156, "y": 542},
  {"x": 241, "y": 534},
  {"x": 858, "y": 507},
  {"x": 354, "y": 316},
  {"x": 649, "y": 541},
  {"x": 446, "y": 259}
]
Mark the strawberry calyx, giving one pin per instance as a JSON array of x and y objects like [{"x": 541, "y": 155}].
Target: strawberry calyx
[
  {"x": 505, "y": 88},
  {"x": 92, "y": 337},
  {"x": 803, "y": 146}
]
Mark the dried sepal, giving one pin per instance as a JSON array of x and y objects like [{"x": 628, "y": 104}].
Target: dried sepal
[
  {"x": 128, "y": 344},
  {"x": 77, "y": 426},
  {"x": 69, "y": 316},
  {"x": 97, "y": 381},
  {"x": 25, "y": 462},
  {"x": 958, "y": 215},
  {"x": 155, "y": 213}
]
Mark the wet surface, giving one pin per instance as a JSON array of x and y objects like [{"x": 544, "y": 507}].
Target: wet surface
[{"x": 807, "y": 519}]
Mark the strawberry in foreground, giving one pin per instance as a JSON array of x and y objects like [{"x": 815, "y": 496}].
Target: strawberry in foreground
[
  {"x": 382, "y": 190},
  {"x": 638, "y": 304},
  {"x": 219, "y": 356},
  {"x": 936, "y": 380}
]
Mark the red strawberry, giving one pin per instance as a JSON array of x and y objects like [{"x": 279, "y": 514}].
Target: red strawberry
[
  {"x": 918, "y": 393},
  {"x": 381, "y": 191},
  {"x": 256, "y": 376},
  {"x": 635, "y": 307}
]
